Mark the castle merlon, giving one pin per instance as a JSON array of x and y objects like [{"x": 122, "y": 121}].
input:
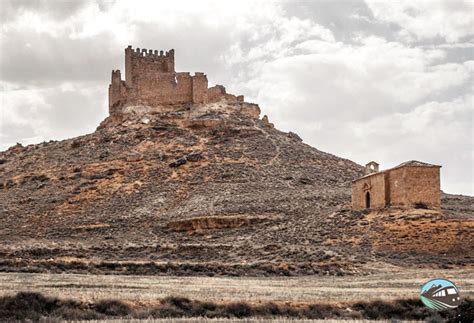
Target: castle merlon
[{"x": 149, "y": 52}]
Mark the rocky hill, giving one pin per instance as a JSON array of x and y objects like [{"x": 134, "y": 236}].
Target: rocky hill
[{"x": 206, "y": 189}]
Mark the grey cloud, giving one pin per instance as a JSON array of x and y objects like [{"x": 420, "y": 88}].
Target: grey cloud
[
  {"x": 56, "y": 9},
  {"x": 74, "y": 111},
  {"x": 197, "y": 46},
  {"x": 43, "y": 59},
  {"x": 344, "y": 18}
]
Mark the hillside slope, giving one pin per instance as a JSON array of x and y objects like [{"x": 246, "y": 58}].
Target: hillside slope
[{"x": 206, "y": 190}]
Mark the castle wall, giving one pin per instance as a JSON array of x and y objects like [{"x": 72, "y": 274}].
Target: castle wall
[
  {"x": 199, "y": 89},
  {"x": 215, "y": 93},
  {"x": 165, "y": 88},
  {"x": 117, "y": 92}
]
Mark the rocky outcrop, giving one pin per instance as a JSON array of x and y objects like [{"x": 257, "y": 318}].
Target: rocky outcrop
[{"x": 202, "y": 224}]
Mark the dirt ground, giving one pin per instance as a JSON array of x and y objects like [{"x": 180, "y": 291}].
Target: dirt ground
[{"x": 392, "y": 284}]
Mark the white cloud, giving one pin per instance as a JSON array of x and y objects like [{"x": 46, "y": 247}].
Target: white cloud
[
  {"x": 418, "y": 20},
  {"x": 372, "y": 78}
]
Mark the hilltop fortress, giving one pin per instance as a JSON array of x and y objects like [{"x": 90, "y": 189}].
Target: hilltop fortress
[{"x": 151, "y": 80}]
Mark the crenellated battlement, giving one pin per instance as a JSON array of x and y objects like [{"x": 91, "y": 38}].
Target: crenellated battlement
[
  {"x": 150, "y": 53},
  {"x": 151, "y": 80}
]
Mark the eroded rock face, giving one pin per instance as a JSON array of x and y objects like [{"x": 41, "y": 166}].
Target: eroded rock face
[
  {"x": 219, "y": 222},
  {"x": 113, "y": 196}
]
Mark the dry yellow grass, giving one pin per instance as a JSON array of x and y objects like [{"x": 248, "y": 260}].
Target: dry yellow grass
[{"x": 383, "y": 285}]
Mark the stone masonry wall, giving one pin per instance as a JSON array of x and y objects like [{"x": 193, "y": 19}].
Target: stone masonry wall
[
  {"x": 408, "y": 186},
  {"x": 375, "y": 185},
  {"x": 146, "y": 64},
  {"x": 423, "y": 186},
  {"x": 396, "y": 186}
]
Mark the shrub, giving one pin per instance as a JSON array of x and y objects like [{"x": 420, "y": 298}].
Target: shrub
[
  {"x": 179, "y": 302},
  {"x": 34, "y": 306},
  {"x": 112, "y": 308},
  {"x": 239, "y": 309},
  {"x": 166, "y": 310},
  {"x": 74, "y": 313},
  {"x": 268, "y": 309},
  {"x": 26, "y": 305}
]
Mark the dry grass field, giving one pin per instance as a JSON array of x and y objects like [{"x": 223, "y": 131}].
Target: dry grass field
[{"x": 394, "y": 284}]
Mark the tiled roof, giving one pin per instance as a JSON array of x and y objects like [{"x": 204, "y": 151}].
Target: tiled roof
[
  {"x": 405, "y": 164},
  {"x": 414, "y": 163}
]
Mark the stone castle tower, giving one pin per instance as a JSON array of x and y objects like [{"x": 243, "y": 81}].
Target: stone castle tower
[{"x": 151, "y": 80}]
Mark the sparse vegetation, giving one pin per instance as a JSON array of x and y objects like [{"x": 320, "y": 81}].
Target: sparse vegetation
[
  {"x": 177, "y": 269},
  {"x": 34, "y": 306}
]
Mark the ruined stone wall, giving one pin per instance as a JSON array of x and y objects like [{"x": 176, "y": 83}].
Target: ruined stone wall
[
  {"x": 199, "y": 88},
  {"x": 215, "y": 93},
  {"x": 117, "y": 92},
  {"x": 375, "y": 185},
  {"x": 218, "y": 93},
  {"x": 250, "y": 109}
]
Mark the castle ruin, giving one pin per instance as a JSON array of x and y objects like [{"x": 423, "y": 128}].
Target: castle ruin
[{"x": 151, "y": 80}]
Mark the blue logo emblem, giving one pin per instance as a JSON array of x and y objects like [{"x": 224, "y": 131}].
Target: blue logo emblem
[{"x": 440, "y": 294}]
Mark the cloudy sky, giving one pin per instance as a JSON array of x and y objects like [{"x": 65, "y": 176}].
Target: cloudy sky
[{"x": 366, "y": 80}]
